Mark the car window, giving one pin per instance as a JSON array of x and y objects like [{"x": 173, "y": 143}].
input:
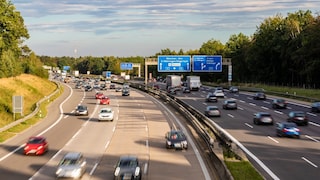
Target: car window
[
  {"x": 35, "y": 141},
  {"x": 128, "y": 163}
]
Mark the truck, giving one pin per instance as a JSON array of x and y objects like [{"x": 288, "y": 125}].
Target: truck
[
  {"x": 173, "y": 81},
  {"x": 193, "y": 83}
]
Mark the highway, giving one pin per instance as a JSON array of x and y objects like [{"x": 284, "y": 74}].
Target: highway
[
  {"x": 287, "y": 158},
  {"x": 140, "y": 124}
]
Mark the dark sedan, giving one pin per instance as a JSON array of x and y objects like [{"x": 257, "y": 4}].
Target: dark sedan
[
  {"x": 128, "y": 167},
  {"x": 315, "y": 107},
  {"x": 298, "y": 117},
  {"x": 211, "y": 98},
  {"x": 279, "y": 104},
  {"x": 259, "y": 96},
  {"x": 230, "y": 104},
  {"x": 176, "y": 139}
]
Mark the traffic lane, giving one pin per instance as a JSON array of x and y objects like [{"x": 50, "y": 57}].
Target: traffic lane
[
  {"x": 145, "y": 137},
  {"x": 57, "y": 134},
  {"x": 91, "y": 139}
]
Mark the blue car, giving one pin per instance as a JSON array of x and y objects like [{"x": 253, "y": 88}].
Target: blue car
[{"x": 287, "y": 129}]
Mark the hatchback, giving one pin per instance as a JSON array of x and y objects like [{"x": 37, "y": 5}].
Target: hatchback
[
  {"x": 36, "y": 145},
  {"x": 259, "y": 96},
  {"x": 128, "y": 167},
  {"x": 212, "y": 111},
  {"x": 229, "y": 104},
  {"x": 81, "y": 110},
  {"x": 298, "y": 117},
  {"x": 262, "y": 118},
  {"x": 279, "y": 104},
  {"x": 211, "y": 98},
  {"x": 176, "y": 139},
  {"x": 287, "y": 129},
  {"x": 72, "y": 165},
  {"x": 106, "y": 114},
  {"x": 315, "y": 107},
  {"x": 105, "y": 100}
]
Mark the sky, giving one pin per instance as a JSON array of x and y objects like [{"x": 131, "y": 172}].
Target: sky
[{"x": 125, "y": 28}]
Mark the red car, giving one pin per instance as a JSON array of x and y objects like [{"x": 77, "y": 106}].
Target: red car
[
  {"x": 105, "y": 100},
  {"x": 36, "y": 145},
  {"x": 99, "y": 95}
]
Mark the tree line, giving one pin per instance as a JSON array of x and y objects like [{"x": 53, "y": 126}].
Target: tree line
[{"x": 284, "y": 50}]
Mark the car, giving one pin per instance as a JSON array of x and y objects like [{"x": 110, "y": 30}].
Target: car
[
  {"x": 234, "y": 89},
  {"x": 315, "y": 107},
  {"x": 186, "y": 90},
  {"x": 106, "y": 114},
  {"x": 112, "y": 86},
  {"x": 81, "y": 110},
  {"x": 99, "y": 95},
  {"x": 105, "y": 100},
  {"x": 279, "y": 103},
  {"x": 125, "y": 92},
  {"x": 72, "y": 165},
  {"x": 176, "y": 139},
  {"x": 78, "y": 86},
  {"x": 103, "y": 87},
  {"x": 36, "y": 145},
  {"x": 287, "y": 129},
  {"x": 230, "y": 104},
  {"x": 211, "y": 98},
  {"x": 88, "y": 88},
  {"x": 128, "y": 167},
  {"x": 298, "y": 117},
  {"x": 118, "y": 89},
  {"x": 218, "y": 93},
  {"x": 263, "y": 118},
  {"x": 212, "y": 111},
  {"x": 259, "y": 96}
]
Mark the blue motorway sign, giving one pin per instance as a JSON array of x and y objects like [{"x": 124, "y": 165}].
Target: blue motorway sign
[
  {"x": 173, "y": 63},
  {"x": 108, "y": 74},
  {"x": 126, "y": 66},
  {"x": 66, "y": 68},
  {"x": 203, "y": 63}
]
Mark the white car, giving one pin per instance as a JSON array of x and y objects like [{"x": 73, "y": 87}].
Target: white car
[
  {"x": 106, "y": 114},
  {"x": 218, "y": 93}
]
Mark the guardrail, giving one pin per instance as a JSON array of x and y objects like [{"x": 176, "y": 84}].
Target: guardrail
[{"x": 202, "y": 124}]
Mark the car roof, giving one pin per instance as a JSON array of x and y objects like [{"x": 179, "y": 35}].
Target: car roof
[
  {"x": 263, "y": 113},
  {"x": 212, "y": 107},
  {"x": 128, "y": 157}
]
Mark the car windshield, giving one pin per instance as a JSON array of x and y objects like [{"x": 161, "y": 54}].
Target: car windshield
[
  {"x": 128, "y": 163},
  {"x": 289, "y": 126},
  {"x": 176, "y": 135},
  {"x": 81, "y": 108},
  {"x": 231, "y": 101},
  {"x": 35, "y": 140},
  {"x": 300, "y": 114},
  {"x": 66, "y": 162},
  {"x": 280, "y": 100},
  {"x": 106, "y": 111},
  {"x": 212, "y": 108}
]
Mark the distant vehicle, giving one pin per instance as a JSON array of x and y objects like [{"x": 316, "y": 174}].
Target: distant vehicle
[
  {"x": 176, "y": 139},
  {"x": 315, "y": 107},
  {"x": 36, "y": 145},
  {"x": 218, "y": 93},
  {"x": 298, "y": 117},
  {"x": 211, "y": 98},
  {"x": 263, "y": 118},
  {"x": 78, "y": 86},
  {"x": 72, "y": 165},
  {"x": 103, "y": 87},
  {"x": 173, "y": 81},
  {"x": 125, "y": 92},
  {"x": 105, "y": 100},
  {"x": 106, "y": 114},
  {"x": 118, "y": 89},
  {"x": 212, "y": 111},
  {"x": 186, "y": 90},
  {"x": 172, "y": 90},
  {"x": 112, "y": 86},
  {"x": 230, "y": 104},
  {"x": 234, "y": 89},
  {"x": 81, "y": 110},
  {"x": 259, "y": 96},
  {"x": 279, "y": 104},
  {"x": 193, "y": 83},
  {"x": 99, "y": 95},
  {"x": 128, "y": 167},
  {"x": 88, "y": 88},
  {"x": 287, "y": 129}
]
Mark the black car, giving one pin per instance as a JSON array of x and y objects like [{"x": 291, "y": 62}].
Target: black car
[
  {"x": 230, "y": 104},
  {"x": 128, "y": 167},
  {"x": 259, "y": 96},
  {"x": 176, "y": 139},
  {"x": 263, "y": 118},
  {"x": 103, "y": 87},
  {"x": 186, "y": 90},
  {"x": 88, "y": 88},
  {"x": 234, "y": 89},
  {"x": 279, "y": 104},
  {"x": 112, "y": 86},
  {"x": 315, "y": 107},
  {"x": 81, "y": 110},
  {"x": 211, "y": 98},
  {"x": 298, "y": 117}
]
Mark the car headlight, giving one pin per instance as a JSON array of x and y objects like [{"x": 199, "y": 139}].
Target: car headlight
[
  {"x": 169, "y": 143},
  {"x": 184, "y": 142},
  {"x": 58, "y": 171},
  {"x": 76, "y": 172},
  {"x": 117, "y": 171},
  {"x": 137, "y": 171}
]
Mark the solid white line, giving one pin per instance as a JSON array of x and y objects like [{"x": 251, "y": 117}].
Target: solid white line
[
  {"x": 248, "y": 125},
  {"x": 313, "y": 139},
  {"x": 273, "y": 139},
  {"x": 308, "y": 161}
]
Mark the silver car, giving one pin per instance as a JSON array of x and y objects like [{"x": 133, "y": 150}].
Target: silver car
[{"x": 72, "y": 165}]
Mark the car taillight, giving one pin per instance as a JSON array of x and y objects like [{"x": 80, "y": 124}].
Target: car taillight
[{"x": 285, "y": 130}]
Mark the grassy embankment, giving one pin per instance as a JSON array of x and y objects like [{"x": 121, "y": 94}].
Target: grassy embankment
[{"x": 33, "y": 89}]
